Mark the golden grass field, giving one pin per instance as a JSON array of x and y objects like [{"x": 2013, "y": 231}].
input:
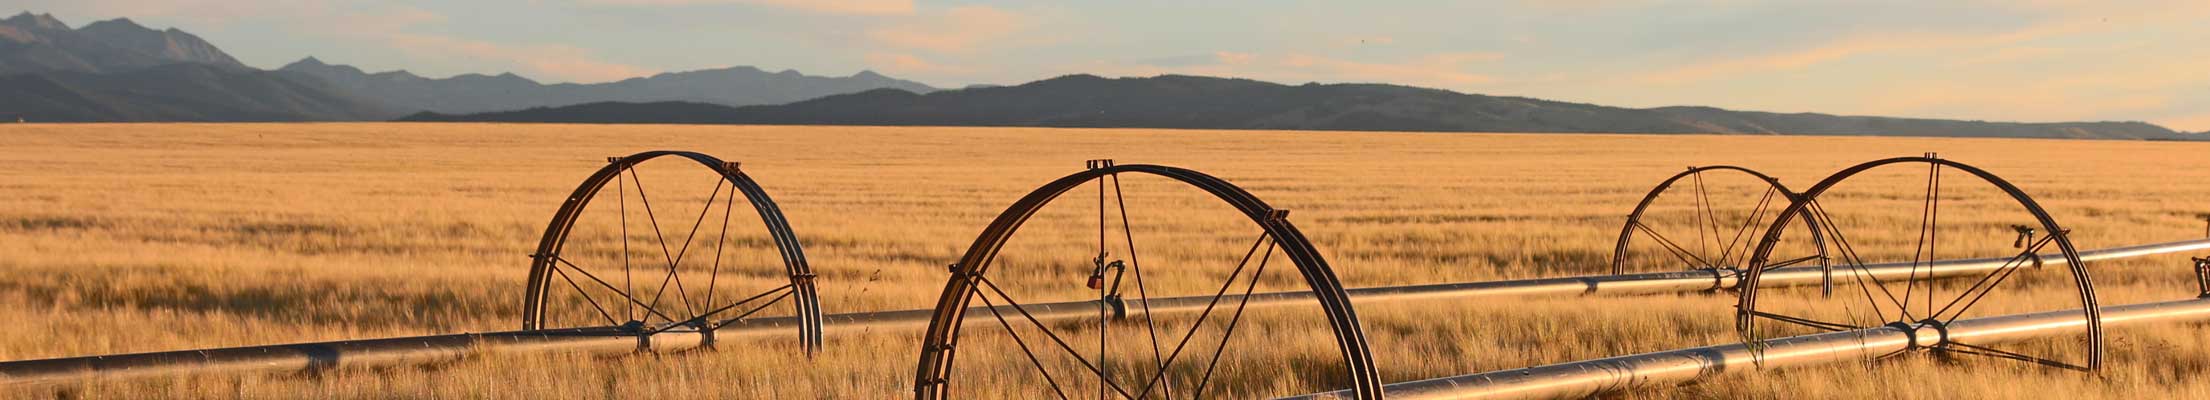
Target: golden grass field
[{"x": 131, "y": 238}]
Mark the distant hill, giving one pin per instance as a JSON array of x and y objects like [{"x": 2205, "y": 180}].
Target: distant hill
[
  {"x": 734, "y": 86},
  {"x": 40, "y": 43},
  {"x": 177, "y": 92},
  {"x": 117, "y": 70},
  {"x": 1193, "y": 102}
]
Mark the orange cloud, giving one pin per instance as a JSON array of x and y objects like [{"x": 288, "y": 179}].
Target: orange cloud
[
  {"x": 956, "y": 30},
  {"x": 559, "y": 62},
  {"x": 1888, "y": 42},
  {"x": 1442, "y": 69},
  {"x": 901, "y": 63},
  {"x": 1234, "y": 58},
  {"x": 1783, "y": 61},
  {"x": 2191, "y": 123}
]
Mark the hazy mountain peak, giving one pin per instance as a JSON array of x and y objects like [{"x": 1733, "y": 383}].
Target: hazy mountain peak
[
  {"x": 42, "y": 21},
  {"x": 1069, "y": 78},
  {"x": 117, "y": 23},
  {"x": 172, "y": 45},
  {"x": 868, "y": 74},
  {"x": 738, "y": 85}
]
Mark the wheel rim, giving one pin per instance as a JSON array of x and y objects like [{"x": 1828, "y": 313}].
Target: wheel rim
[
  {"x": 1145, "y": 372},
  {"x": 1919, "y": 297},
  {"x": 634, "y": 261},
  {"x": 1723, "y": 226}
]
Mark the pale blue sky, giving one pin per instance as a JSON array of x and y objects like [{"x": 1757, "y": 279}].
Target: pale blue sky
[{"x": 2021, "y": 60}]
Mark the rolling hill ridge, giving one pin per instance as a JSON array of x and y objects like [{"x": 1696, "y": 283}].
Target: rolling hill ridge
[{"x": 1194, "y": 102}]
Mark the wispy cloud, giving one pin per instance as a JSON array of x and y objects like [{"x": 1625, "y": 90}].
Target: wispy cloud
[
  {"x": 955, "y": 30},
  {"x": 1956, "y": 45},
  {"x": 558, "y": 62},
  {"x": 859, "y": 7},
  {"x": 908, "y": 64},
  {"x": 2198, "y": 122},
  {"x": 395, "y": 28}
]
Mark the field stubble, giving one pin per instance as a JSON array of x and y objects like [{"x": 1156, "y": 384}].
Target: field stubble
[{"x": 128, "y": 238}]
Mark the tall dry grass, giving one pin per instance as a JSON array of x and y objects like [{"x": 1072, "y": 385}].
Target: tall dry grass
[{"x": 125, "y": 238}]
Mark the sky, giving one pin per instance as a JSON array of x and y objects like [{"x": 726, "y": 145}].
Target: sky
[{"x": 2014, "y": 60}]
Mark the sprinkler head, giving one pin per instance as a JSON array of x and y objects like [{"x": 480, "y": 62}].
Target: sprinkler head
[{"x": 2025, "y": 234}]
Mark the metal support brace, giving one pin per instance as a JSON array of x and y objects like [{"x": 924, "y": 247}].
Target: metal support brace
[
  {"x": 705, "y": 334},
  {"x": 2026, "y": 238},
  {"x": 1098, "y": 281},
  {"x": 2202, "y": 276}
]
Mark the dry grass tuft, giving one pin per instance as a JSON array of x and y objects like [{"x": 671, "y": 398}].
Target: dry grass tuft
[{"x": 127, "y": 238}]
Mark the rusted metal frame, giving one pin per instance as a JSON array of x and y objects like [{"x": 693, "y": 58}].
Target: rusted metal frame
[
  {"x": 939, "y": 342},
  {"x": 806, "y": 301},
  {"x": 2084, "y": 285}
]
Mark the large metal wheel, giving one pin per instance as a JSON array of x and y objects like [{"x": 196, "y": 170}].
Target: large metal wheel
[
  {"x": 629, "y": 262},
  {"x": 1084, "y": 340},
  {"x": 1981, "y": 229},
  {"x": 1705, "y": 218}
]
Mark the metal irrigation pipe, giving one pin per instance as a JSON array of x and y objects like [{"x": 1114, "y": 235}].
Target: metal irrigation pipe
[
  {"x": 1589, "y": 378},
  {"x": 440, "y": 348}
]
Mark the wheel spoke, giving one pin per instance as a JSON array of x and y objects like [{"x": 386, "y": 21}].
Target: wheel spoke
[
  {"x": 1926, "y": 224},
  {"x": 1704, "y": 219},
  {"x": 1032, "y": 360},
  {"x": 1268, "y": 255},
  {"x": 1984, "y": 351},
  {"x": 721, "y": 241},
  {"x": 1933, "y": 239},
  {"x": 587, "y": 297},
  {"x": 1047, "y": 333},
  {"x": 755, "y": 309},
  {"x": 1784, "y": 264},
  {"x": 602, "y": 283},
  {"x": 1103, "y": 294},
  {"x": 1822, "y": 325},
  {"x": 621, "y": 192},
  {"x": 669, "y": 256},
  {"x": 702, "y": 317},
  {"x": 1857, "y": 264},
  {"x": 1679, "y": 252},
  {"x": 1151, "y": 328},
  {"x": 1987, "y": 283},
  {"x": 1757, "y": 214},
  {"x": 1233, "y": 321},
  {"x": 676, "y": 262}
]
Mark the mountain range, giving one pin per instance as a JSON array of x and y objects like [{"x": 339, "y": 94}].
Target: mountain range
[
  {"x": 1194, "y": 102},
  {"x": 735, "y": 86},
  {"x": 118, "y": 70},
  {"x": 40, "y": 43}
]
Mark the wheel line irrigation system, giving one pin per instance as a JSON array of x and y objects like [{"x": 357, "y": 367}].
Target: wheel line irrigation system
[{"x": 550, "y": 272}]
